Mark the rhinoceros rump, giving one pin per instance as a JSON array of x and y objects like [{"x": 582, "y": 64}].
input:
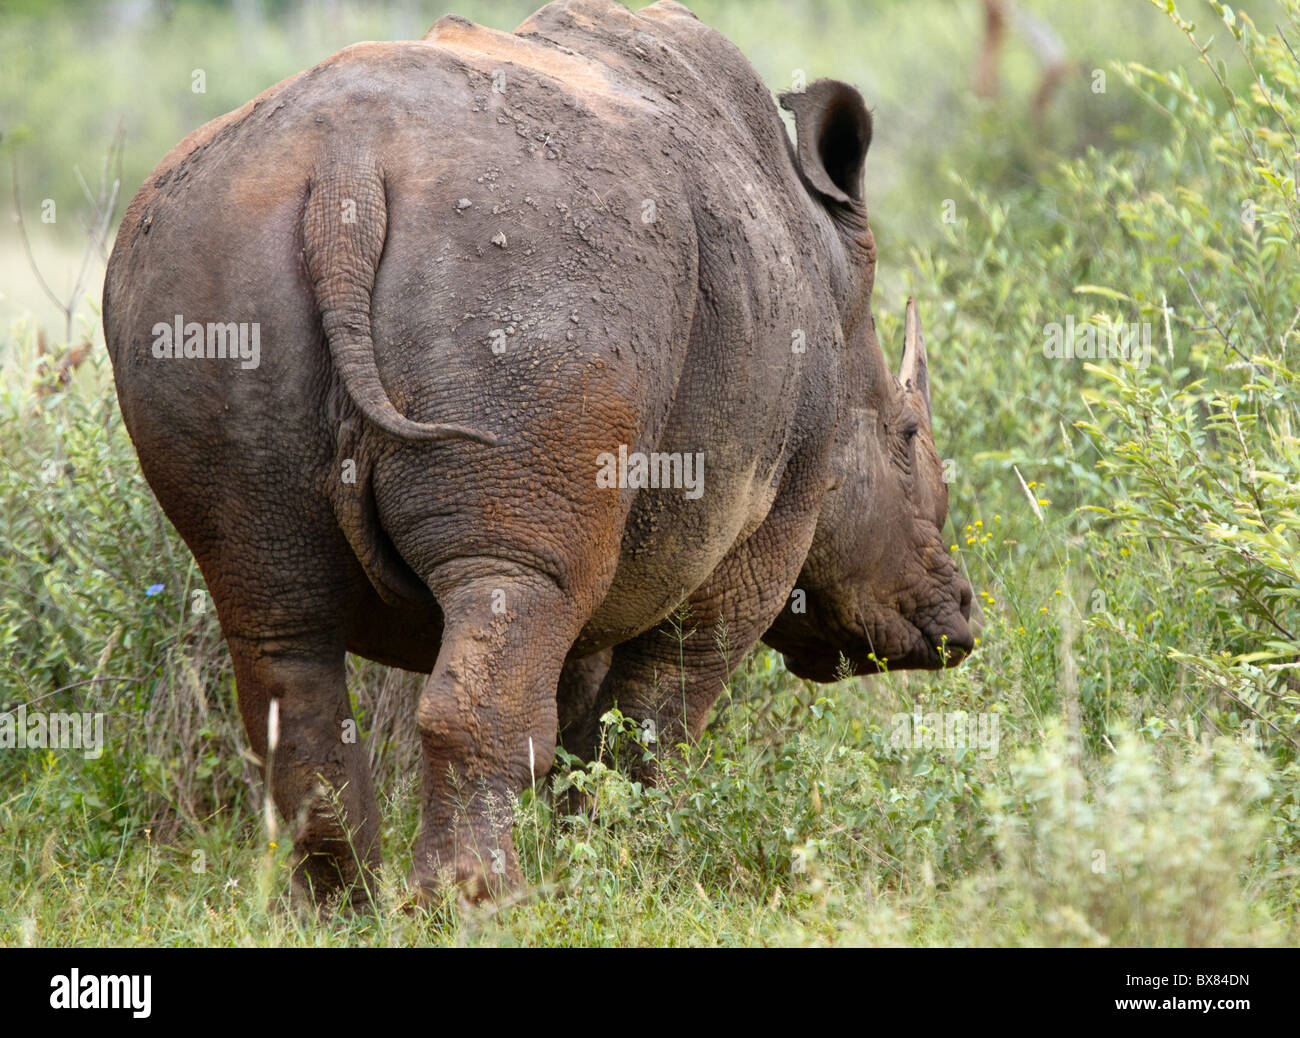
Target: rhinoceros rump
[{"x": 480, "y": 262}]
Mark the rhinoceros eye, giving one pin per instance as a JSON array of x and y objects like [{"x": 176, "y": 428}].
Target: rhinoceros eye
[{"x": 903, "y": 445}]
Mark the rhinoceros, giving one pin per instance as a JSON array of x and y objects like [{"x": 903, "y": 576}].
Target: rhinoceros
[{"x": 487, "y": 355}]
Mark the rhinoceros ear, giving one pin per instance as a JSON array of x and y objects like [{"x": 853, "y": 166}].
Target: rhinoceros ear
[{"x": 833, "y": 131}]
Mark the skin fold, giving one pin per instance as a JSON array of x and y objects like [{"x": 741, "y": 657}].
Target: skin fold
[{"x": 479, "y": 262}]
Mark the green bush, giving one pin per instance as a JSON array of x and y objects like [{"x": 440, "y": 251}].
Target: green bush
[
  {"x": 1140, "y": 850},
  {"x": 1201, "y": 452}
]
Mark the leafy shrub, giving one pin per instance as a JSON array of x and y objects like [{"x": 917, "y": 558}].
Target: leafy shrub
[{"x": 1137, "y": 851}]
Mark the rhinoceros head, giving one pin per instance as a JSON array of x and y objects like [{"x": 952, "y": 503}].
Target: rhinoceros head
[{"x": 879, "y": 585}]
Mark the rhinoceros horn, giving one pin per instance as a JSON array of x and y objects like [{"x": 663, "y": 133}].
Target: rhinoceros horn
[{"x": 914, "y": 373}]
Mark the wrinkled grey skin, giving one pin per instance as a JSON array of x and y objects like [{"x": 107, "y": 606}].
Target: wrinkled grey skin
[{"x": 478, "y": 261}]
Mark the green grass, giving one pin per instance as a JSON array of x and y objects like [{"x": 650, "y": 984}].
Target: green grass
[{"x": 1139, "y": 623}]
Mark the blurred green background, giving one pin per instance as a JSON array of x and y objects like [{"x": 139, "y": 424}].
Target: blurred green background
[{"x": 75, "y": 74}]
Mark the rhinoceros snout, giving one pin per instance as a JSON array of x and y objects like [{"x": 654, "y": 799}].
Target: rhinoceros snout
[{"x": 952, "y": 637}]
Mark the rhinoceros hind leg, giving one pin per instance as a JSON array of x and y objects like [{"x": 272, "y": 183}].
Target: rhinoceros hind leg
[
  {"x": 487, "y": 720},
  {"x": 320, "y": 776},
  {"x": 576, "y": 698}
]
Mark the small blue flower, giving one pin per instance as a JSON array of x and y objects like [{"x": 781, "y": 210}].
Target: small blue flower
[{"x": 153, "y": 589}]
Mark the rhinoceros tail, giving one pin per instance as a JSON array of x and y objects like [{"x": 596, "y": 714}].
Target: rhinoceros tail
[{"x": 344, "y": 227}]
